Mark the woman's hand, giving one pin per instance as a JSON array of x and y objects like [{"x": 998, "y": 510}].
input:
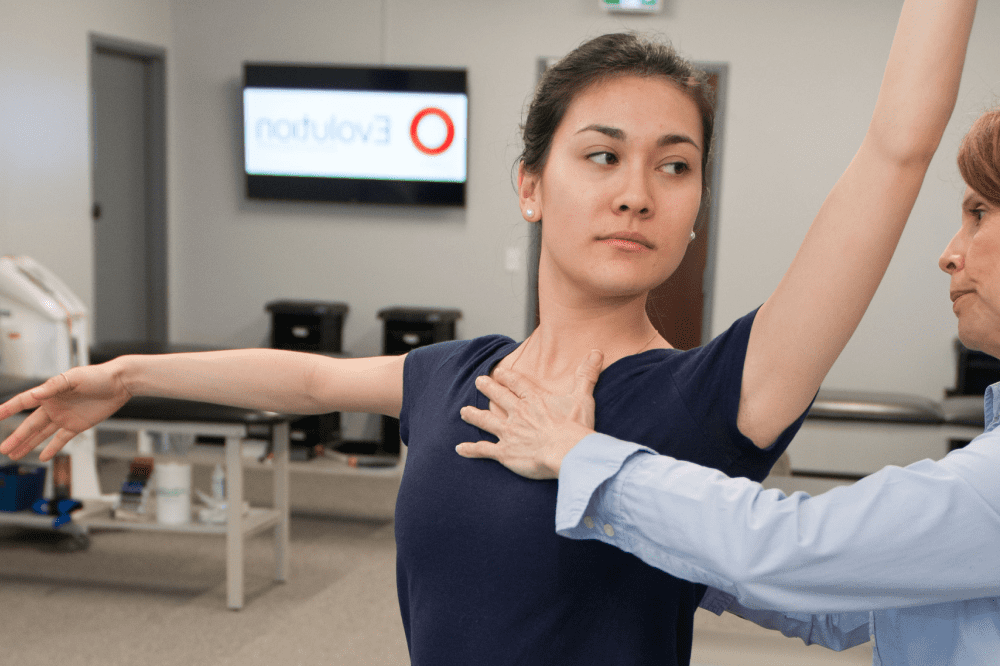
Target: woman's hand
[
  {"x": 65, "y": 406},
  {"x": 536, "y": 429}
]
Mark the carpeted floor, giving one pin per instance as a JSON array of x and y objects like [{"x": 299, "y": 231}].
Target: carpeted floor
[{"x": 136, "y": 598}]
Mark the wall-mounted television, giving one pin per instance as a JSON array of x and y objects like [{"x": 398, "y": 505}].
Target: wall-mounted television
[{"x": 375, "y": 135}]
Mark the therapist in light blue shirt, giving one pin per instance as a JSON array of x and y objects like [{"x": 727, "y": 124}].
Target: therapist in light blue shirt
[{"x": 908, "y": 557}]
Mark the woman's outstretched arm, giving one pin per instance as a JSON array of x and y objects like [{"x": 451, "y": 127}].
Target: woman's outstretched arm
[
  {"x": 263, "y": 379},
  {"x": 805, "y": 324}
]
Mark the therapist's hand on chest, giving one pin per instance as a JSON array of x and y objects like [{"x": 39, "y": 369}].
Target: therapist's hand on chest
[{"x": 536, "y": 428}]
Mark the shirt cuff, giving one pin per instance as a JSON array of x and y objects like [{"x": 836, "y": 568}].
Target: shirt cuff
[
  {"x": 592, "y": 462},
  {"x": 716, "y": 601}
]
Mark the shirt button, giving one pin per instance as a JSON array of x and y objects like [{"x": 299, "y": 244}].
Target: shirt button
[
  {"x": 608, "y": 530},
  {"x": 588, "y": 522}
]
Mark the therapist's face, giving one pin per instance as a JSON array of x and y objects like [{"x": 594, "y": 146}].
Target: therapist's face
[{"x": 972, "y": 259}]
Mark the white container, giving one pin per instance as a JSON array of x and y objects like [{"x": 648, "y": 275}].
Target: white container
[
  {"x": 219, "y": 484},
  {"x": 173, "y": 493}
]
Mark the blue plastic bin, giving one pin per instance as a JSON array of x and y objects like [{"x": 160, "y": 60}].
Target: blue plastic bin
[{"x": 19, "y": 489}]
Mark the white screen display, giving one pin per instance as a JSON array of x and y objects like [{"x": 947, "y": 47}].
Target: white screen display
[{"x": 356, "y": 134}]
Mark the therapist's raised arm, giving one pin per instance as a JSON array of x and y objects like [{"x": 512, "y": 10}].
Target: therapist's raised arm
[{"x": 805, "y": 324}]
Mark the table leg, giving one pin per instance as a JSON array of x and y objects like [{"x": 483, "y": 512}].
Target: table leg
[
  {"x": 234, "y": 522},
  {"x": 279, "y": 445}
]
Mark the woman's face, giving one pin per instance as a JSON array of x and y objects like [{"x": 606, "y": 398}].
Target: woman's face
[
  {"x": 973, "y": 261},
  {"x": 621, "y": 188}
]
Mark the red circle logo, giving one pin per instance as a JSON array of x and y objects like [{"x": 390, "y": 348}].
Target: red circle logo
[{"x": 449, "y": 127}]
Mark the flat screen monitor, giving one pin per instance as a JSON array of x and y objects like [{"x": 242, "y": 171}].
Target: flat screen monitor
[{"x": 374, "y": 135}]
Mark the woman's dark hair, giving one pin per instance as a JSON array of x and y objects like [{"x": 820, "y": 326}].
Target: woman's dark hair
[
  {"x": 979, "y": 156},
  {"x": 599, "y": 59}
]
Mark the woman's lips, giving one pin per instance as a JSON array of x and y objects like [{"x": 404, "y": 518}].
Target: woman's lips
[
  {"x": 629, "y": 241},
  {"x": 625, "y": 244}
]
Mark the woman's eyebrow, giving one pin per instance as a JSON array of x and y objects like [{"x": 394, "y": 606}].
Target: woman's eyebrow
[
  {"x": 665, "y": 140},
  {"x": 671, "y": 139},
  {"x": 612, "y": 132}
]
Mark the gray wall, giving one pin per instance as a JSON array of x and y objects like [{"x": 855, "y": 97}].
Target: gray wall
[
  {"x": 45, "y": 186},
  {"x": 803, "y": 79}
]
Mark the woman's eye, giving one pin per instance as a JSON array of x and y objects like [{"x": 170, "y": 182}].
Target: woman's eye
[
  {"x": 603, "y": 157},
  {"x": 675, "y": 168}
]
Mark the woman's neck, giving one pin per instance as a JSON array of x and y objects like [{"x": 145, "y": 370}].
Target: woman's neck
[{"x": 571, "y": 325}]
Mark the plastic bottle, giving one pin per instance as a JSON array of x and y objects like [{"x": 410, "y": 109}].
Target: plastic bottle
[
  {"x": 62, "y": 474},
  {"x": 219, "y": 483}
]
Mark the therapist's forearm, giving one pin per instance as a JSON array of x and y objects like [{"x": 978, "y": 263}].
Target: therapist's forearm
[
  {"x": 836, "y": 632},
  {"x": 891, "y": 540}
]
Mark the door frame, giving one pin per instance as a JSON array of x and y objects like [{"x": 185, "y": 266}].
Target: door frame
[
  {"x": 153, "y": 59},
  {"x": 721, "y": 70}
]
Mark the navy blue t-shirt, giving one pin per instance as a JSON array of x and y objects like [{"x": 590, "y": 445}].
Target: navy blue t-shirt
[{"x": 481, "y": 574}]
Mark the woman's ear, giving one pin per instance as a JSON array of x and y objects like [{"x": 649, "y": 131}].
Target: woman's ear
[{"x": 528, "y": 192}]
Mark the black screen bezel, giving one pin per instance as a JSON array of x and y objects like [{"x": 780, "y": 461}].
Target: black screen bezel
[{"x": 354, "y": 190}]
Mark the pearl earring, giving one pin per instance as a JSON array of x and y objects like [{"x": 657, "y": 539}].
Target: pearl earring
[
  {"x": 693, "y": 235},
  {"x": 529, "y": 213}
]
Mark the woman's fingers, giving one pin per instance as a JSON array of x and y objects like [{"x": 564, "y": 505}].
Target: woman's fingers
[
  {"x": 21, "y": 442},
  {"x": 51, "y": 387},
  {"x": 38, "y": 438},
  {"x": 20, "y": 403},
  {"x": 14, "y": 445},
  {"x": 59, "y": 441}
]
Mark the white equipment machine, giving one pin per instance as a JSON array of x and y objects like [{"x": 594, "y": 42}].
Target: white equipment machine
[{"x": 43, "y": 332}]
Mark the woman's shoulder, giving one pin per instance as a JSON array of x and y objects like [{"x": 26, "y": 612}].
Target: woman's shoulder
[
  {"x": 732, "y": 340},
  {"x": 466, "y": 353},
  {"x": 685, "y": 403},
  {"x": 728, "y": 349},
  {"x": 466, "y": 346}
]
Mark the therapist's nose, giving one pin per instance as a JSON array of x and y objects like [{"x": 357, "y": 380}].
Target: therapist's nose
[{"x": 952, "y": 260}]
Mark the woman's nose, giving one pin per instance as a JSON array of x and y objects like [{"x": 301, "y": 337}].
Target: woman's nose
[
  {"x": 636, "y": 197},
  {"x": 625, "y": 207}
]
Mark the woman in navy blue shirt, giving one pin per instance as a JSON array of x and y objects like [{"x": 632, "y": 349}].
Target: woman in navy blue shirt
[{"x": 616, "y": 146}]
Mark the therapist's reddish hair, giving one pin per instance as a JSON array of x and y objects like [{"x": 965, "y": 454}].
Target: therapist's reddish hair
[{"x": 979, "y": 156}]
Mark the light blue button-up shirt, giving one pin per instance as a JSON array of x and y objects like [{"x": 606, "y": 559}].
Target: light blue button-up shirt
[{"x": 909, "y": 557}]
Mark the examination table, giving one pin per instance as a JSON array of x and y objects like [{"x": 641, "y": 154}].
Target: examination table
[{"x": 849, "y": 434}]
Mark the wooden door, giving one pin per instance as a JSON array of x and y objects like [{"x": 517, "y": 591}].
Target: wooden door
[{"x": 677, "y": 307}]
